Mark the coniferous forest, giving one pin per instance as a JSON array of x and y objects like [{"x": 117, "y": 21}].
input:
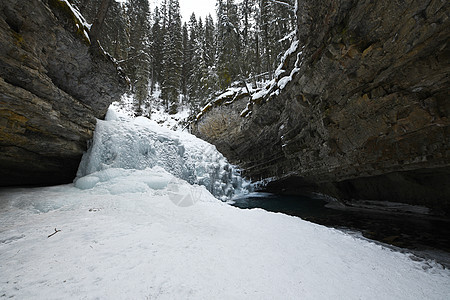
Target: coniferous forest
[{"x": 189, "y": 62}]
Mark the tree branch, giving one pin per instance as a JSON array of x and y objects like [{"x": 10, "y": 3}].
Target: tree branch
[
  {"x": 56, "y": 231},
  {"x": 282, "y": 3}
]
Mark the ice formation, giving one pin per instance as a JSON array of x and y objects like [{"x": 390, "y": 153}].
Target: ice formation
[{"x": 138, "y": 143}]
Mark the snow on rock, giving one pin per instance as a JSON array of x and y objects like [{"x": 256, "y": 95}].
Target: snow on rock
[
  {"x": 126, "y": 239},
  {"x": 279, "y": 82},
  {"x": 140, "y": 143},
  {"x": 81, "y": 21},
  {"x": 290, "y": 51}
]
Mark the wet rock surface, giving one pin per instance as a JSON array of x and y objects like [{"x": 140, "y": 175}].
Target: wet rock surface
[
  {"x": 53, "y": 86},
  {"x": 365, "y": 116}
]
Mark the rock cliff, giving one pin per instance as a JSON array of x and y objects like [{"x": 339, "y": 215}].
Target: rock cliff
[
  {"x": 53, "y": 86},
  {"x": 361, "y": 110}
]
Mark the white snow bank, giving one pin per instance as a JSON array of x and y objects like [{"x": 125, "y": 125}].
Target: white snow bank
[
  {"x": 140, "y": 244},
  {"x": 139, "y": 143}
]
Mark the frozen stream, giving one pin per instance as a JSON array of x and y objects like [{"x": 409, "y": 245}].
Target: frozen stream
[{"x": 139, "y": 143}]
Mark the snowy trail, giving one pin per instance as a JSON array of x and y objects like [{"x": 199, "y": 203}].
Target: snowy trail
[{"x": 143, "y": 246}]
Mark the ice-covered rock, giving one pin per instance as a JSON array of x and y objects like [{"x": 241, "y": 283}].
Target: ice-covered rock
[{"x": 139, "y": 143}]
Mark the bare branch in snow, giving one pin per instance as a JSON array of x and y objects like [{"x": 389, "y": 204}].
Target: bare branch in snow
[{"x": 56, "y": 231}]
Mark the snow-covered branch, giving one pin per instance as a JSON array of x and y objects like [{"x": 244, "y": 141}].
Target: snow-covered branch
[{"x": 283, "y": 3}]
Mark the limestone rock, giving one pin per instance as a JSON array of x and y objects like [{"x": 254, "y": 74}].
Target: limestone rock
[
  {"x": 366, "y": 114},
  {"x": 52, "y": 89}
]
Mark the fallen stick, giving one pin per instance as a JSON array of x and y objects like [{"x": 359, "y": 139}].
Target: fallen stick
[{"x": 56, "y": 231}]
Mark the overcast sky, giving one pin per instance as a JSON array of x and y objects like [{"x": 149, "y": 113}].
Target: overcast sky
[{"x": 201, "y": 8}]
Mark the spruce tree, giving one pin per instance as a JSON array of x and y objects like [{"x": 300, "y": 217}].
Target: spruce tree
[
  {"x": 139, "y": 59},
  {"x": 156, "y": 47},
  {"x": 186, "y": 68},
  {"x": 245, "y": 13},
  {"x": 209, "y": 42},
  {"x": 228, "y": 43},
  {"x": 195, "y": 32},
  {"x": 173, "y": 57},
  {"x": 275, "y": 22}
]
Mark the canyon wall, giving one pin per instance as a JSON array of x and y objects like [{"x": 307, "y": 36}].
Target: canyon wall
[
  {"x": 53, "y": 86},
  {"x": 360, "y": 112}
]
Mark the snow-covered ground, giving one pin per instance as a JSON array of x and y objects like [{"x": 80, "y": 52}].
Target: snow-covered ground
[
  {"x": 130, "y": 232},
  {"x": 116, "y": 243},
  {"x": 155, "y": 110}
]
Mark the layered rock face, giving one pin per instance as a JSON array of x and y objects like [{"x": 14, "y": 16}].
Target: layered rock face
[
  {"x": 366, "y": 114},
  {"x": 52, "y": 89}
]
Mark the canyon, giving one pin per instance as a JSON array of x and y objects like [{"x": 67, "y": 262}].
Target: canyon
[{"x": 358, "y": 110}]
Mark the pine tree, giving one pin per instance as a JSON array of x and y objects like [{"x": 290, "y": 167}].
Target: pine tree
[
  {"x": 195, "y": 32},
  {"x": 187, "y": 66},
  {"x": 156, "y": 47},
  {"x": 275, "y": 22},
  {"x": 247, "y": 54},
  {"x": 228, "y": 43},
  {"x": 209, "y": 43},
  {"x": 173, "y": 57},
  {"x": 139, "y": 59},
  {"x": 209, "y": 81}
]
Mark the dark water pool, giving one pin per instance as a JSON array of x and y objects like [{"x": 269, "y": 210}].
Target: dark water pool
[{"x": 423, "y": 235}]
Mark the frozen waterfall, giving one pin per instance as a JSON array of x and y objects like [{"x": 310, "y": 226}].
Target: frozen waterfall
[{"x": 138, "y": 143}]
